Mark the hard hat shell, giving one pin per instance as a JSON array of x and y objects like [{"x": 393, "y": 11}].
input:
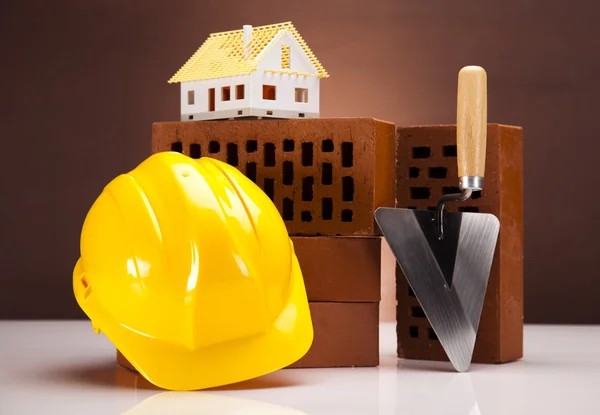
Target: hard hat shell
[{"x": 187, "y": 267}]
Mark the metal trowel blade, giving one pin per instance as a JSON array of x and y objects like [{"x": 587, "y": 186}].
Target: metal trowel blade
[{"x": 449, "y": 276}]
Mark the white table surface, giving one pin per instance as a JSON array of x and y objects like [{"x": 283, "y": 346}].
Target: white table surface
[{"x": 64, "y": 368}]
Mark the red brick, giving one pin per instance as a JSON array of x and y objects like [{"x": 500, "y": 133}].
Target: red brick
[
  {"x": 371, "y": 173},
  {"x": 346, "y": 335},
  {"x": 500, "y": 335},
  {"x": 340, "y": 268}
]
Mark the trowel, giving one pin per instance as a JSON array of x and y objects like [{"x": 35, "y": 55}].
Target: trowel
[{"x": 447, "y": 256}]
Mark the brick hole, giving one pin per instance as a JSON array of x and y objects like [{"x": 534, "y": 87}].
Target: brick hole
[
  {"x": 413, "y": 172},
  {"x": 269, "y": 187},
  {"x": 177, "y": 146},
  {"x": 476, "y": 194},
  {"x": 327, "y": 173},
  {"x": 269, "y": 155},
  {"x": 420, "y": 192},
  {"x": 288, "y": 145},
  {"x": 413, "y": 331},
  {"x": 307, "y": 154},
  {"x": 214, "y": 147},
  {"x": 434, "y": 208},
  {"x": 449, "y": 151},
  {"x": 421, "y": 152},
  {"x": 327, "y": 208},
  {"x": 347, "y": 154},
  {"x": 251, "y": 146},
  {"x": 251, "y": 171},
  {"x": 327, "y": 146},
  {"x": 431, "y": 334},
  {"x": 438, "y": 172},
  {"x": 412, "y": 207},
  {"x": 347, "y": 215},
  {"x": 417, "y": 312},
  {"x": 468, "y": 209},
  {"x": 307, "y": 188},
  {"x": 232, "y": 154},
  {"x": 306, "y": 216},
  {"x": 447, "y": 190},
  {"x": 347, "y": 189},
  {"x": 288, "y": 209},
  {"x": 195, "y": 152},
  {"x": 411, "y": 293},
  {"x": 288, "y": 172}
]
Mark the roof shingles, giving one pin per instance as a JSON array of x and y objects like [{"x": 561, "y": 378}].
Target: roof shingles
[{"x": 223, "y": 54}]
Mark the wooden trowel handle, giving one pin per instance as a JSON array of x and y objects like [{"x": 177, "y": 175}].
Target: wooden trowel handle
[{"x": 471, "y": 126}]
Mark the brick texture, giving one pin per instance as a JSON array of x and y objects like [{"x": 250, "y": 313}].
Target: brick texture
[
  {"x": 342, "y": 269},
  {"x": 326, "y": 175},
  {"x": 426, "y": 169},
  {"x": 346, "y": 335}
]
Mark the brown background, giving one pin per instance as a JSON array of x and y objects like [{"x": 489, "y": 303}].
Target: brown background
[{"x": 82, "y": 81}]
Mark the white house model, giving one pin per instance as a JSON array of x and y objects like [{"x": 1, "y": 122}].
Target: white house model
[{"x": 265, "y": 71}]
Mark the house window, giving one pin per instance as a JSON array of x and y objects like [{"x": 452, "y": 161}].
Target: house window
[
  {"x": 301, "y": 95},
  {"x": 225, "y": 93},
  {"x": 190, "y": 97},
  {"x": 211, "y": 99},
  {"x": 285, "y": 57},
  {"x": 239, "y": 91},
  {"x": 269, "y": 92}
]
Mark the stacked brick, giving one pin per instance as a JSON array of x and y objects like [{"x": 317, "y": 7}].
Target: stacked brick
[
  {"x": 326, "y": 177},
  {"x": 426, "y": 169}
]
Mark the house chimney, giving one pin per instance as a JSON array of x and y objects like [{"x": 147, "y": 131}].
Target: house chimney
[{"x": 247, "y": 33}]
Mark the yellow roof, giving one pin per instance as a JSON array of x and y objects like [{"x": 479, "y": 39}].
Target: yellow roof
[{"x": 223, "y": 54}]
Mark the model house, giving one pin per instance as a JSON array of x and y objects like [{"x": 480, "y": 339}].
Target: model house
[{"x": 265, "y": 71}]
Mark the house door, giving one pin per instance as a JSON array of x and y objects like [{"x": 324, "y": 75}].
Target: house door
[{"x": 211, "y": 99}]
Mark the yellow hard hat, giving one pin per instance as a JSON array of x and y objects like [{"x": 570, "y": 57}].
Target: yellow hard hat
[{"x": 187, "y": 267}]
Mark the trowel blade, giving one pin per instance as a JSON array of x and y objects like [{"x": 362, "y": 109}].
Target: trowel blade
[{"x": 449, "y": 276}]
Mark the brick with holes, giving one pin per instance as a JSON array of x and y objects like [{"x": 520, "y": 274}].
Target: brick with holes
[
  {"x": 325, "y": 175},
  {"x": 426, "y": 169}
]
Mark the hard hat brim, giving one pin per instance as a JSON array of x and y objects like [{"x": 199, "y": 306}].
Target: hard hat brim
[{"x": 175, "y": 367}]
